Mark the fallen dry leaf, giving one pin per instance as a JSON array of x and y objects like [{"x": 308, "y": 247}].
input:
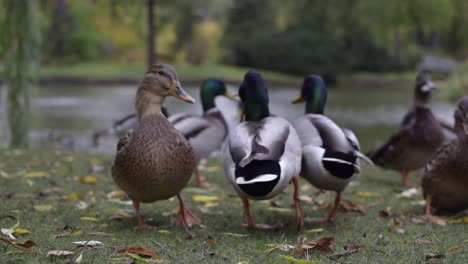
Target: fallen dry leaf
[
  {"x": 323, "y": 243},
  {"x": 394, "y": 226},
  {"x": 210, "y": 241},
  {"x": 353, "y": 249},
  {"x": 89, "y": 218},
  {"x": 410, "y": 193},
  {"x": 69, "y": 233},
  {"x": 429, "y": 256},
  {"x": 235, "y": 235},
  {"x": 89, "y": 243},
  {"x": 460, "y": 220},
  {"x": 74, "y": 196},
  {"x": 140, "y": 251},
  {"x": 99, "y": 234},
  {"x": 204, "y": 198},
  {"x": 79, "y": 258},
  {"x": 349, "y": 206},
  {"x": 59, "y": 253},
  {"x": 21, "y": 231},
  {"x": 367, "y": 194},
  {"x": 315, "y": 230},
  {"x": 3, "y": 174},
  {"x": 300, "y": 261},
  {"x": 116, "y": 194},
  {"x": 36, "y": 174},
  {"x": 88, "y": 179},
  {"x": 423, "y": 241},
  {"x": 418, "y": 220},
  {"x": 455, "y": 248},
  {"x": 26, "y": 244},
  {"x": 43, "y": 207}
]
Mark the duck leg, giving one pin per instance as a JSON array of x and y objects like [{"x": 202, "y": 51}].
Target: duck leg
[
  {"x": 331, "y": 215},
  {"x": 186, "y": 218},
  {"x": 429, "y": 216},
  {"x": 200, "y": 180},
  {"x": 140, "y": 223},
  {"x": 250, "y": 224},
  {"x": 297, "y": 204},
  {"x": 404, "y": 179}
]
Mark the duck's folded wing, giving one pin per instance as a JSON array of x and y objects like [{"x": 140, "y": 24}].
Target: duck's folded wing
[
  {"x": 189, "y": 125},
  {"x": 123, "y": 141},
  {"x": 392, "y": 148},
  {"x": 265, "y": 140}
]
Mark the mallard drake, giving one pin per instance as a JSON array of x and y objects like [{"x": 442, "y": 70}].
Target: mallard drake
[
  {"x": 155, "y": 161},
  {"x": 121, "y": 126},
  {"x": 205, "y": 133},
  {"x": 263, "y": 153},
  {"x": 412, "y": 146},
  {"x": 330, "y": 154},
  {"x": 445, "y": 179}
]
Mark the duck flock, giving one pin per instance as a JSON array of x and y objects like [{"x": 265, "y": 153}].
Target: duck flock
[{"x": 156, "y": 154}]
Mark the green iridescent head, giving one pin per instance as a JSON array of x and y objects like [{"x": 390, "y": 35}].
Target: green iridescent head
[
  {"x": 314, "y": 94},
  {"x": 210, "y": 89},
  {"x": 254, "y": 96}
]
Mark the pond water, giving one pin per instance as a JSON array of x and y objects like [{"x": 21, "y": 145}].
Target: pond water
[{"x": 69, "y": 115}]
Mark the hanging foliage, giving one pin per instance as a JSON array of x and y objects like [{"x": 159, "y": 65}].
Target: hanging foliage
[{"x": 19, "y": 43}]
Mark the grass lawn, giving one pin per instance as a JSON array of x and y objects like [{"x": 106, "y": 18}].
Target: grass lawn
[
  {"x": 48, "y": 194},
  {"x": 109, "y": 70}
]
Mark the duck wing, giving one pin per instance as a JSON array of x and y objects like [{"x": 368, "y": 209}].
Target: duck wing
[
  {"x": 391, "y": 149},
  {"x": 262, "y": 140},
  {"x": 189, "y": 125}
]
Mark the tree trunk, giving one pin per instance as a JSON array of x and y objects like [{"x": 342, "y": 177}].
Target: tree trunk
[
  {"x": 396, "y": 41},
  {"x": 151, "y": 32}
]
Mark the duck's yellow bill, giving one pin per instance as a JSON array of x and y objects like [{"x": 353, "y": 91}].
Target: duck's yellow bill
[
  {"x": 231, "y": 96},
  {"x": 298, "y": 99}
]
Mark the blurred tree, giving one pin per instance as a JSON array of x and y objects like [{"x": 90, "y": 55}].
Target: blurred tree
[
  {"x": 19, "y": 42},
  {"x": 250, "y": 23},
  {"x": 455, "y": 39},
  {"x": 71, "y": 34},
  {"x": 151, "y": 32}
]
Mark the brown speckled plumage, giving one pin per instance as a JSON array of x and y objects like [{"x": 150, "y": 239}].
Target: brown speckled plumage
[
  {"x": 420, "y": 135},
  {"x": 155, "y": 161},
  {"x": 446, "y": 176},
  {"x": 145, "y": 166}
]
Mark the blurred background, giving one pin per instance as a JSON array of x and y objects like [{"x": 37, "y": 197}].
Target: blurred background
[{"x": 69, "y": 67}]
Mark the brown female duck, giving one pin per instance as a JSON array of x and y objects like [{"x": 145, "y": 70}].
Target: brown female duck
[
  {"x": 445, "y": 182},
  {"x": 412, "y": 146},
  {"x": 155, "y": 161}
]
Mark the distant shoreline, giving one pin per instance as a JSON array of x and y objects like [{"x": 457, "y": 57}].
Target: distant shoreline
[{"x": 112, "y": 81}]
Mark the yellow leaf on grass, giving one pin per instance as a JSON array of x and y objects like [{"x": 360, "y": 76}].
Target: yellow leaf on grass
[
  {"x": 204, "y": 198},
  {"x": 295, "y": 260},
  {"x": 315, "y": 230},
  {"x": 89, "y": 218},
  {"x": 88, "y": 179},
  {"x": 164, "y": 231},
  {"x": 74, "y": 196},
  {"x": 460, "y": 220},
  {"x": 116, "y": 194},
  {"x": 279, "y": 209},
  {"x": 21, "y": 231},
  {"x": 367, "y": 194},
  {"x": 3, "y": 174},
  {"x": 36, "y": 174},
  {"x": 43, "y": 207}
]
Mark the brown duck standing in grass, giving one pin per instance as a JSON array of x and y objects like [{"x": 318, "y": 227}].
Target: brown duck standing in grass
[
  {"x": 155, "y": 161},
  {"x": 412, "y": 146},
  {"x": 445, "y": 182}
]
